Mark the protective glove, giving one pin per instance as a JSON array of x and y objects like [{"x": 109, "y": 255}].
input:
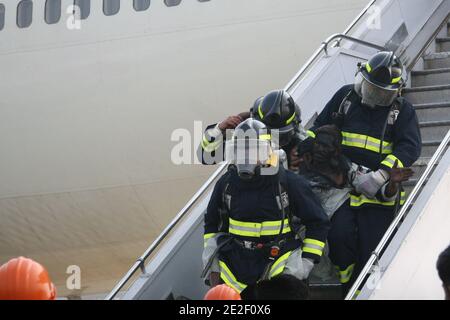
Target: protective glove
[
  {"x": 370, "y": 183},
  {"x": 308, "y": 265}
]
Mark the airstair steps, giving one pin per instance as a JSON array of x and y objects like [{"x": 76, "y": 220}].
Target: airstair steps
[
  {"x": 434, "y": 130},
  {"x": 433, "y": 111},
  {"x": 437, "y": 60},
  {"x": 431, "y": 77},
  {"x": 443, "y": 44},
  {"x": 428, "y": 94},
  {"x": 420, "y": 165},
  {"x": 430, "y": 147}
]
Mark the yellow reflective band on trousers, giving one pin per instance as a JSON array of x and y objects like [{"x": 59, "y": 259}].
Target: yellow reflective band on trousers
[
  {"x": 210, "y": 146},
  {"x": 207, "y": 236},
  {"x": 345, "y": 275},
  {"x": 278, "y": 266},
  {"x": 256, "y": 230},
  {"x": 365, "y": 142},
  {"x": 228, "y": 277},
  {"x": 313, "y": 246},
  {"x": 357, "y": 201},
  {"x": 389, "y": 161},
  {"x": 311, "y": 134}
]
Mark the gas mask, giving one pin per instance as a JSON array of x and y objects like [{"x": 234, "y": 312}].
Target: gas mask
[{"x": 250, "y": 157}]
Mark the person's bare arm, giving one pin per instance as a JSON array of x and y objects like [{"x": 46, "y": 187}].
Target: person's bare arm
[
  {"x": 233, "y": 121},
  {"x": 230, "y": 123},
  {"x": 244, "y": 115}
]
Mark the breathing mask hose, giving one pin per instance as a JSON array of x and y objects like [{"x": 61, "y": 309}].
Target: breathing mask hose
[
  {"x": 383, "y": 133},
  {"x": 283, "y": 213}
]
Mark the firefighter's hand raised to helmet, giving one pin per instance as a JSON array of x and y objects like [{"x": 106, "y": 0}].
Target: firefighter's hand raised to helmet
[
  {"x": 244, "y": 115},
  {"x": 399, "y": 175},
  {"x": 230, "y": 123}
]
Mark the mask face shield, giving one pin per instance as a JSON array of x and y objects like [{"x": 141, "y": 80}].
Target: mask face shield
[
  {"x": 373, "y": 95},
  {"x": 248, "y": 155}
]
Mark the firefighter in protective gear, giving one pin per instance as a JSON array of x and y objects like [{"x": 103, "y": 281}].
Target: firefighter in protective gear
[
  {"x": 332, "y": 176},
  {"x": 248, "y": 231},
  {"x": 277, "y": 110},
  {"x": 379, "y": 130},
  {"x": 25, "y": 279}
]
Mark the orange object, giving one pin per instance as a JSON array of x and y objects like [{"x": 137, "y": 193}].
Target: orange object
[
  {"x": 25, "y": 279},
  {"x": 222, "y": 292},
  {"x": 274, "y": 251}
]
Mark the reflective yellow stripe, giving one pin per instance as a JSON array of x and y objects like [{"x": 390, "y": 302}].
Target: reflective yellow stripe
[
  {"x": 244, "y": 233},
  {"x": 368, "y": 68},
  {"x": 261, "y": 115},
  {"x": 364, "y": 137},
  {"x": 365, "y": 142},
  {"x": 313, "y": 251},
  {"x": 290, "y": 119},
  {"x": 256, "y": 229},
  {"x": 276, "y": 223},
  {"x": 313, "y": 246},
  {"x": 377, "y": 142},
  {"x": 254, "y": 225},
  {"x": 286, "y": 229},
  {"x": 278, "y": 266},
  {"x": 265, "y": 137},
  {"x": 389, "y": 161},
  {"x": 396, "y": 80},
  {"x": 227, "y": 276},
  {"x": 210, "y": 146},
  {"x": 313, "y": 241},
  {"x": 357, "y": 201},
  {"x": 311, "y": 134},
  {"x": 207, "y": 236},
  {"x": 256, "y": 234},
  {"x": 345, "y": 275}
]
